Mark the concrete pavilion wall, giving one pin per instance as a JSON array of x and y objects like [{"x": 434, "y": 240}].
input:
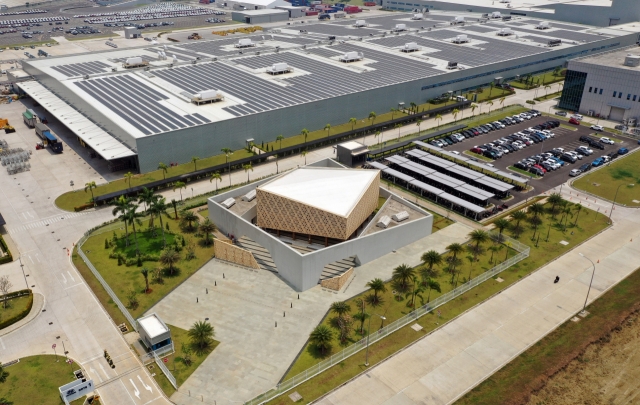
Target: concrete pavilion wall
[{"x": 303, "y": 271}]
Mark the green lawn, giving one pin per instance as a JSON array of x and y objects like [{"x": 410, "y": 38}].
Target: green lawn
[
  {"x": 15, "y": 307},
  {"x": 487, "y": 94},
  {"x": 477, "y": 156},
  {"x": 589, "y": 223},
  {"x": 122, "y": 279},
  {"x": 175, "y": 362},
  {"x": 35, "y": 380},
  {"x": 68, "y": 201},
  {"x": 529, "y": 371},
  {"x": 523, "y": 172},
  {"x": 204, "y": 213},
  {"x": 605, "y": 181},
  {"x": 542, "y": 79}
]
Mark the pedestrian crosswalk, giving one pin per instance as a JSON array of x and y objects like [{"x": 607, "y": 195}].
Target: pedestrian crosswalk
[{"x": 12, "y": 229}]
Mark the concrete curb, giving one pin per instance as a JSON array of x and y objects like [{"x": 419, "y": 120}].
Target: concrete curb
[{"x": 36, "y": 309}]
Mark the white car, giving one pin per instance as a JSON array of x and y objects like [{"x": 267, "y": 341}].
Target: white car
[
  {"x": 548, "y": 133},
  {"x": 525, "y": 116},
  {"x": 555, "y": 165},
  {"x": 498, "y": 124},
  {"x": 597, "y": 128},
  {"x": 455, "y": 152},
  {"x": 606, "y": 140},
  {"x": 574, "y": 172},
  {"x": 575, "y": 154},
  {"x": 503, "y": 149},
  {"x": 584, "y": 150},
  {"x": 577, "y": 116}
]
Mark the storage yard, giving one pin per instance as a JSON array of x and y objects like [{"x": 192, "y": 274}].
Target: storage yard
[{"x": 324, "y": 72}]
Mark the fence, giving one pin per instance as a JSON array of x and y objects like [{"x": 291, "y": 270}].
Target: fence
[
  {"x": 108, "y": 289},
  {"x": 523, "y": 252},
  {"x": 165, "y": 370},
  {"x": 149, "y": 357}
]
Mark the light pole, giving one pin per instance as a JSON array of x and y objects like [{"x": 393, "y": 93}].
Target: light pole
[
  {"x": 614, "y": 199},
  {"x": 366, "y": 361},
  {"x": 584, "y": 310},
  {"x": 23, "y": 274}
]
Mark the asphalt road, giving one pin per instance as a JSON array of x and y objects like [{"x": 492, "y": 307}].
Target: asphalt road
[{"x": 565, "y": 138}]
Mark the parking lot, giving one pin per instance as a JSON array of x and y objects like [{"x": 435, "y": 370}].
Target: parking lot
[{"x": 564, "y": 138}]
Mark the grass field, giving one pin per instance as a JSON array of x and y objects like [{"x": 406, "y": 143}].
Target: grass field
[
  {"x": 477, "y": 156},
  {"x": 35, "y": 380},
  {"x": 531, "y": 370},
  {"x": 589, "y": 224},
  {"x": 548, "y": 96},
  {"x": 68, "y": 201},
  {"x": 14, "y": 307},
  {"x": 605, "y": 181},
  {"x": 175, "y": 362},
  {"x": 123, "y": 279},
  {"x": 523, "y": 172}
]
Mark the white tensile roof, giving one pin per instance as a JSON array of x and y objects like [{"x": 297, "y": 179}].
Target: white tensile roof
[{"x": 332, "y": 190}]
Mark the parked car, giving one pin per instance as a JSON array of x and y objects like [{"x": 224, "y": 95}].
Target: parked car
[
  {"x": 536, "y": 171},
  {"x": 521, "y": 166},
  {"x": 585, "y": 167},
  {"x": 476, "y": 150},
  {"x": 595, "y": 144},
  {"x": 568, "y": 158},
  {"x": 490, "y": 154},
  {"x": 597, "y": 162},
  {"x": 597, "y": 128},
  {"x": 623, "y": 151},
  {"x": 583, "y": 150},
  {"x": 606, "y": 140},
  {"x": 561, "y": 113},
  {"x": 540, "y": 167},
  {"x": 577, "y": 116},
  {"x": 574, "y": 121},
  {"x": 575, "y": 172}
]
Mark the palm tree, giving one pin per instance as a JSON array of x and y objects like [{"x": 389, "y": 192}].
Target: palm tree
[
  {"x": 473, "y": 108},
  {"x": 207, "y": 228},
  {"x": 393, "y": 111},
  {"x": 372, "y": 117},
  {"x": 121, "y": 206},
  {"x": 247, "y": 168},
  {"x": 175, "y": 207},
  {"x": 133, "y": 216},
  {"x": 455, "y": 113},
  {"x": 419, "y": 123},
  {"x": 501, "y": 224},
  {"x": 328, "y": 129},
  {"x": 127, "y": 177},
  {"x": 194, "y": 160},
  {"x": 321, "y": 338},
  {"x": 413, "y": 106},
  {"x": 494, "y": 249},
  {"x": 518, "y": 216},
  {"x": 432, "y": 285},
  {"x": 304, "y": 154},
  {"x": 536, "y": 209},
  {"x": 478, "y": 236},
  {"x": 398, "y": 125},
  {"x": 279, "y": 138},
  {"x": 189, "y": 218},
  {"x": 145, "y": 274},
  {"x": 546, "y": 90},
  {"x": 145, "y": 197},
  {"x": 353, "y": 122},
  {"x": 305, "y": 133},
  {"x": 377, "y": 285},
  {"x": 227, "y": 152},
  {"x": 554, "y": 199},
  {"x": 158, "y": 207},
  {"x": 377, "y": 135},
  {"x": 402, "y": 274},
  {"x": 566, "y": 214},
  {"x": 179, "y": 185},
  {"x": 417, "y": 291},
  {"x": 491, "y": 86},
  {"x": 501, "y": 100},
  {"x": 489, "y": 103},
  {"x": 164, "y": 168},
  {"x": 215, "y": 176},
  {"x": 578, "y": 208},
  {"x": 201, "y": 334},
  {"x": 454, "y": 249},
  {"x": 169, "y": 257},
  {"x": 430, "y": 259},
  {"x": 90, "y": 186},
  {"x": 340, "y": 308},
  {"x": 3, "y": 375},
  {"x": 438, "y": 119}
]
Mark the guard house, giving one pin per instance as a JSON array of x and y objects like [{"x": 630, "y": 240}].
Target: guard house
[
  {"x": 352, "y": 153},
  {"x": 153, "y": 332}
]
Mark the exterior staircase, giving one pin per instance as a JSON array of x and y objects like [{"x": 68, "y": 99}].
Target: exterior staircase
[
  {"x": 262, "y": 255},
  {"x": 337, "y": 268}
]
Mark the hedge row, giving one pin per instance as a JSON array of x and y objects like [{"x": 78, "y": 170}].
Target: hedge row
[
  {"x": 22, "y": 314},
  {"x": 8, "y": 258}
]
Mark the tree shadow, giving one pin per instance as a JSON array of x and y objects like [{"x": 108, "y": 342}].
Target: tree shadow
[
  {"x": 167, "y": 273},
  {"x": 314, "y": 352}
]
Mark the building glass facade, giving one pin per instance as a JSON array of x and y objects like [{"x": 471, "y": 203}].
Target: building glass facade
[{"x": 572, "y": 92}]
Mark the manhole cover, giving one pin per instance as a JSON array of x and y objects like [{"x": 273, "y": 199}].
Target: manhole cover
[
  {"x": 416, "y": 327},
  {"x": 564, "y": 242}
]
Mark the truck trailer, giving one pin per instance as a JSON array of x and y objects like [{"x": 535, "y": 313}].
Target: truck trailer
[{"x": 48, "y": 138}]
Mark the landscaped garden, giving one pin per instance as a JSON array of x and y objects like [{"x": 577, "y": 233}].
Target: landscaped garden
[
  {"x": 530, "y": 81},
  {"x": 35, "y": 380},
  {"x": 621, "y": 177},
  {"x": 541, "y": 226},
  {"x": 13, "y": 308}
]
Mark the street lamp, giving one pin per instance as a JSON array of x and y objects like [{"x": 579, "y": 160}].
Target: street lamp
[
  {"x": 614, "y": 199},
  {"x": 366, "y": 361},
  {"x": 584, "y": 310}
]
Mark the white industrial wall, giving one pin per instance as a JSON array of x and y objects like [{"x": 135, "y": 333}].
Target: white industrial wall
[{"x": 610, "y": 79}]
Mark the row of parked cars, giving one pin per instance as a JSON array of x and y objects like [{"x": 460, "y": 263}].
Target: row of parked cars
[
  {"x": 516, "y": 141},
  {"x": 598, "y": 162},
  {"x": 552, "y": 160}
]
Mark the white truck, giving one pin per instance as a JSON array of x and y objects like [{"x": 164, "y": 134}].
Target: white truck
[
  {"x": 410, "y": 47},
  {"x": 352, "y": 56},
  {"x": 418, "y": 16},
  {"x": 460, "y": 39},
  {"x": 245, "y": 43},
  {"x": 279, "y": 68},
  {"x": 399, "y": 28},
  {"x": 360, "y": 23},
  {"x": 207, "y": 96},
  {"x": 458, "y": 20}
]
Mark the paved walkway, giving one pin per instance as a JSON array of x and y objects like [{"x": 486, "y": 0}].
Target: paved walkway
[
  {"x": 452, "y": 360},
  {"x": 38, "y": 303}
]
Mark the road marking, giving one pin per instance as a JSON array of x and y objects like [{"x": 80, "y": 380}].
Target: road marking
[
  {"x": 2, "y": 344},
  {"x": 70, "y": 276},
  {"x": 30, "y": 214},
  {"x": 37, "y": 258},
  {"x": 103, "y": 370},
  {"x": 95, "y": 373},
  {"x": 146, "y": 387},
  {"x": 135, "y": 392},
  {"x": 25, "y": 216},
  {"x": 65, "y": 279},
  {"x": 30, "y": 258},
  {"x": 127, "y": 391}
]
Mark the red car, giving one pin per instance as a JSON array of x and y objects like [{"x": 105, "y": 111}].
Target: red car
[
  {"x": 574, "y": 121},
  {"x": 476, "y": 150},
  {"x": 541, "y": 168}
]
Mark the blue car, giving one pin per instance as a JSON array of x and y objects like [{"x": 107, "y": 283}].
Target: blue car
[
  {"x": 559, "y": 161},
  {"x": 623, "y": 151},
  {"x": 597, "y": 162}
]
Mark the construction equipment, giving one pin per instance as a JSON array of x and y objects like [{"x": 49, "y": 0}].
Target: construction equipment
[
  {"x": 48, "y": 138},
  {"x": 195, "y": 35}
]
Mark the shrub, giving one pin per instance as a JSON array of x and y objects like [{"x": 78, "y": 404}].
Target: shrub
[
  {"x": 21, "y": 314},
  {"x": 530, "y": 102},
  {"x": 83, "y": 207}
]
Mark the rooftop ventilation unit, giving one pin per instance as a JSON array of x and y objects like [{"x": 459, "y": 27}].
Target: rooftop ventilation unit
[
  {"x": 632, "y": 60},
  {"x": 460, "y": 39},
  {"x": 228, "y": 203},
  {"x": 279, "y": 68},
  {"x": 504, "y": 32},
  {"x": 207, "y": 96},
  {"x": 400, "y": 216},
  {"x": 383, "y": 222},
  {"x": 458, "y": 20},
  {"x": 399, "y": 28},
  {"x": 496, "y": 14},
  {"x": 452, "y": 65},
  {"x": 360, "y": 23},
  {"x": 114, "y": 69},
  {"x": 134, "y": 62},
  {"x": 351, "y": 57},
  {"x": 244, "y": 43},
  {"x": 410, "y": 47},
  {"x": 418, "y": 16},
  {"x": 250, "y": 196},
  {"x": 505, "y": 1},
  {"x": 544, "y": 25},
  {"x": 554, "y": 42},
  {"x": 86, "y": 77},
  {"x": 506, "y": 18}
]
